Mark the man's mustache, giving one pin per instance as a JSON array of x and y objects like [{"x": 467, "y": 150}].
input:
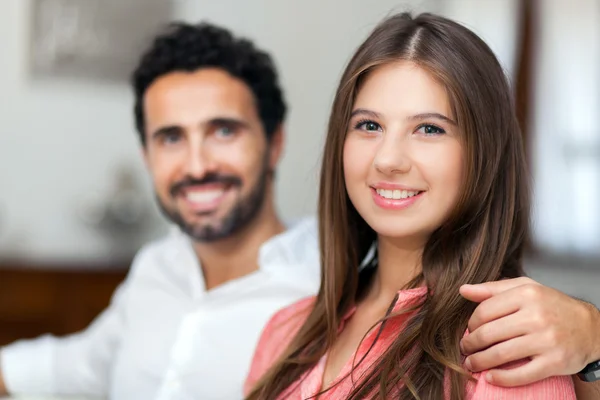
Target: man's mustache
[{"x": 228, "y": 180}]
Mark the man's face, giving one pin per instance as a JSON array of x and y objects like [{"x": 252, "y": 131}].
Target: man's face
[{"x": 207, "y": 151}]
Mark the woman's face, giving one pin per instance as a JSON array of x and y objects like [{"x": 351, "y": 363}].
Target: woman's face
[{"x": 403, "y": 157}]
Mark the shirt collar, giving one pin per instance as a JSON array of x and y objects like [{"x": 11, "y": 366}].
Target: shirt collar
[
  {"x": 294, "y": 250},
  {"x": 298, "y": 246}
]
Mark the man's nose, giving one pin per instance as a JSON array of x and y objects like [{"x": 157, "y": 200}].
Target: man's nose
[{"x": 200, "y": 160}]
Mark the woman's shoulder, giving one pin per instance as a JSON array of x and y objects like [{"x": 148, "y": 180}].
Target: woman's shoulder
[
  {"x": 552, "y": 388},
  {"x": 283, "y": 326},
  {"x": 276, "y": 336}
]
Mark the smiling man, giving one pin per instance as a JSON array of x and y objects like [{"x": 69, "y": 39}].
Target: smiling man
[{"x": 209, "y": 111}]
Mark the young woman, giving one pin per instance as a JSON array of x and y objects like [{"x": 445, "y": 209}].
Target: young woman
[{"x": 424, "y": 163}]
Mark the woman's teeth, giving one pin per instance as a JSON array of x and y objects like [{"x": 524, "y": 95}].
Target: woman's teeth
[{"x": 396, "y": 194}]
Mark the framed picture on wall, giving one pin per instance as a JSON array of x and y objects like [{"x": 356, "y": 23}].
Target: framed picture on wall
[{"x": 92, "y": 39}]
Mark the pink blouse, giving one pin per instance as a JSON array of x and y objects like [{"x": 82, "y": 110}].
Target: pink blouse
[{"x": 284, "y": 325}]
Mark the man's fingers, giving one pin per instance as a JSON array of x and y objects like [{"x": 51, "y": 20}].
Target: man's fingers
[
  {"x": 484, "y": 291},
  {"x": 501, "y": 305},
  {"x": 493, "y": 333},
  {"x": 475, "y": 293},
  {"x": 510, "y": 351},
  {"x": 525, "y": 374}
]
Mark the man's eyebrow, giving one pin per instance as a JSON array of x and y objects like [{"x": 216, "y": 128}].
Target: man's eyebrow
[
  {"x": 228, "y": 121},
  {"x": 217, "y": 121},
  {"x": 167, "y": 130}
]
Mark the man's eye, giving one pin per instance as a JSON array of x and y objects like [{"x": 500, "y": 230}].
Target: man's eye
[
  {"x": 225, "y": 131},
  {"x": 170, "y": 138}
]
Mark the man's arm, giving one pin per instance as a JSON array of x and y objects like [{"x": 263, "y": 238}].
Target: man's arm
[
  {"x": 522, "y": 319},
  {"x": 3, "y": 391},
  {"x": 587, "y": 390},
  {"x": 77, "y": 364}
]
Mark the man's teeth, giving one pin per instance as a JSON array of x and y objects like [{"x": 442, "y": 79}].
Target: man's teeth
[
  {"x": 396, "y": 194},
  {"x": 203, "y": 196}
]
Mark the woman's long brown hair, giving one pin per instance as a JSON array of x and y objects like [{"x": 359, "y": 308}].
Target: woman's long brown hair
[{"x": 481, "y": 241}]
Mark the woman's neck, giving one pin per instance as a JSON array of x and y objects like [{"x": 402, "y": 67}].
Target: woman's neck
[{"x": 398, "y": 264}]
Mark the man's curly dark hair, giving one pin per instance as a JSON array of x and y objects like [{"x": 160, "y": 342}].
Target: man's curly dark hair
[{"x": 188, "y": 47}]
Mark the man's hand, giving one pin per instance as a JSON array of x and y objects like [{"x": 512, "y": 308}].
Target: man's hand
[{"x": 520, "y": 319}]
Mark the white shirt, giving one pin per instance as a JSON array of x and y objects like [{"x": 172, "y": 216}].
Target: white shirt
[{"x": 164, "y": 336}]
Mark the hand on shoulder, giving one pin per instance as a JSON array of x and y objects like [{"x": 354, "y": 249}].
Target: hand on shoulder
[{"x": 520, "y": 319}]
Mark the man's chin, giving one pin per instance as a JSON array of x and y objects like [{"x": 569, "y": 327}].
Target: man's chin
[
  {"x": 200, "y": 227},
  {"x": 218, "y": 224},
  {"x": 206, "y": 233},
  {"x": 204, "y": 228}
]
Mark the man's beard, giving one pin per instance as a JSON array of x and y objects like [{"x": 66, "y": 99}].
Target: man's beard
[{"x": 244, "y": 211}]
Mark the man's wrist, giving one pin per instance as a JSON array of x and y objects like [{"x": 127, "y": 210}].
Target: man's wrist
[{"x": 591, "y": 371}]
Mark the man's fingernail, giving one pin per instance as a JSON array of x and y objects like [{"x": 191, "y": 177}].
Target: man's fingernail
[
  {"x": 468, "y": 364},
  {"x": 489, "y": 377}
]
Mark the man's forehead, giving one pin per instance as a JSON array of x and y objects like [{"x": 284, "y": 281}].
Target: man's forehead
[
  {"x": 206, "y": 85},
  {"x": 199, "y": 97}
]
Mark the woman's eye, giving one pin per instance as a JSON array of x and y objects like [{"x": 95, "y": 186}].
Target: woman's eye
[
  {"x": 430, "y": 130},
  {"x": 368, "y": 126}
]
